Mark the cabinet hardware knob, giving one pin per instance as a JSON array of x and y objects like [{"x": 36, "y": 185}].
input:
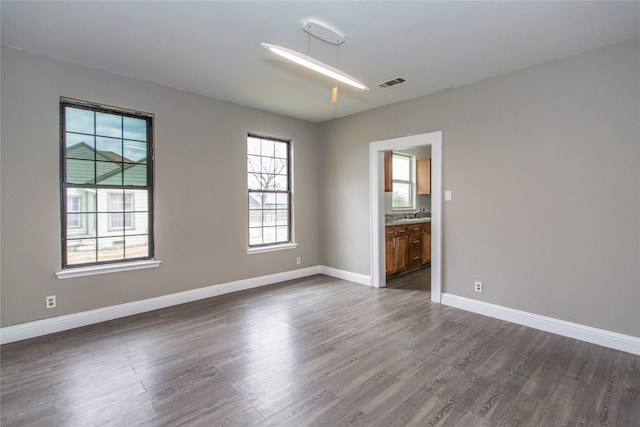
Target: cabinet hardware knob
[{"x": 416, "y": 241}]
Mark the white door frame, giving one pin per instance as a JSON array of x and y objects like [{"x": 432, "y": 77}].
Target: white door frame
[{"x": 376, "y": 176}]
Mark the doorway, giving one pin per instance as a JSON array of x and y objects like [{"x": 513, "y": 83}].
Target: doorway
[{"x": 376, "y": 167}]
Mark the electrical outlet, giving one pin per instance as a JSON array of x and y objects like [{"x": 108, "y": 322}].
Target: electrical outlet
[
  {"x": 50, "y": 302},
  {"x": 299, "y": 260},
  {"x": 478, "y": 286}
]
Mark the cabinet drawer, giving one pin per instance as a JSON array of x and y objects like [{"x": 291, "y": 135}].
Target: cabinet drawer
[
  {"x": 415, "y": 257},
  {"x": 414, "y": 228},
  {"x": 390, "y": 231},
  {"x": 415, "y": 241},
  {"x": 401, "y": 230}
]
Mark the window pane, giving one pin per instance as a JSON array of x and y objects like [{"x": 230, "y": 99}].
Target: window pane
[
  {"x": 401, "y": 195},
  {"x": 269, "y": 235},
  {"x": 255, "y": 236},
  {"x": 255, "y": 218},
  {"x": 267, "y": 148},
  {"x": 81, "y": 251},
  {"x": 281, "y": 150},
  {"x": 109, "y": 149},
  {"x": 136, "y": 246},
  {"x": 80, "y": 146},
  {"x": 269, "y": 217},
  {"x": 81, "y": 225},
  {"x": 280, "y": 183},
  {"x": 135, "y": 174},
  {"x": 401, "y": 168},
  {"x": 111, "y": 249},
  {"x": 134, "y": 128},
  {"x": 109, "y": 173},
  {"x": 282, "y": 234},
  {"x": 78, "y": 120},
  {"x": 80, "y": 172},
  {"x": 109, "y": 125},
  {"x": 134, "y": 152},
  {"x": 253, "y": 146}
]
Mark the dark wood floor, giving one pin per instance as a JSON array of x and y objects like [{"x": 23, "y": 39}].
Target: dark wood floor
[{"x": 316, "y": 352}]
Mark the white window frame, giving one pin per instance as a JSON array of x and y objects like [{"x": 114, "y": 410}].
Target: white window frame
[
  {"x": 127, "y": 212},
  {"x": 411, "y": 183}
]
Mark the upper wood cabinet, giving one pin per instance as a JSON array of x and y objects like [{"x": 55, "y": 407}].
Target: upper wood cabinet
[
  {"x": 423, "y": 176},
  {"x": 388, "y": 171}
]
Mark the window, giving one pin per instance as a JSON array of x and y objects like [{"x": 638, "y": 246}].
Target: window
[
  {"x": 403, "y": 182},
  {"x": 268, "y": 170},
  {"x": 106, "y": 184},
  {"x": 73, "y": 206},
  {"x": 121, "y": 208}
]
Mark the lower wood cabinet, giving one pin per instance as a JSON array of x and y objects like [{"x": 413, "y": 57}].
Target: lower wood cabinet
[
  {"x": 426, "y": 242},
  {"x": 395, "y": 248},
  {"x": 407, "y": 246}
]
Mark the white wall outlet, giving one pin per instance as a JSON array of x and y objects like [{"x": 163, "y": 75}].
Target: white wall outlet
[
  {"x": 299, "y": 260},
  {"x": 477, "y": 286},
  {"x": 50, "y": 302},
  {"x": 448, "y": 195}
]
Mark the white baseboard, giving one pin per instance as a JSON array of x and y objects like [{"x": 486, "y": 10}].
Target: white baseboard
[
  {"x": 346, "y": 275},
  {"x": 601, "y": 337},
  {"x": 62, "y": 323}
]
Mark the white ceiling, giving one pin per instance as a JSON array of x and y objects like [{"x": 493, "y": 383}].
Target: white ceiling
[{"x": 213, "y": 47}]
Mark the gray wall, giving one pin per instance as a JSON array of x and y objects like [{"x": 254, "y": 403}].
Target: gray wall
[
  {"x": 544, "y": 168},
  {"x": 201, "y": 196}
]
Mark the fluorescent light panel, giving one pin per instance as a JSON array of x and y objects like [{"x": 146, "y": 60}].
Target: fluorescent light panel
[{"x": 315, "y": 65}]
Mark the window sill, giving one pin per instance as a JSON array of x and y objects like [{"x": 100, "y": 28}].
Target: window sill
[
  {"x": 106, "y": 268},
  {"x": 272, "y": 248}
]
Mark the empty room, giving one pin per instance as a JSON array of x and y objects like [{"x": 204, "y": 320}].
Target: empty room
[{"x": 319, "y": 213}]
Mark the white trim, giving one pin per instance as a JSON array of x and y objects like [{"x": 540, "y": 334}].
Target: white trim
[
  {"x": 361, "y": 279},
  {"x": 590, "y": 334},
  {"x": 106, "y": 268},
  {"x": 376, "y": 187},
  {"x": 271, "y": 248},
  {"x": 62, "y": 323}
]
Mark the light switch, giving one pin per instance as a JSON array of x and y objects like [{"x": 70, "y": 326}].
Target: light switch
[{"x": 447, "y": 195}]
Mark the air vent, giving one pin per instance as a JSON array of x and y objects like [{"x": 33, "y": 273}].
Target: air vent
[{"x": 392, "y": 82}]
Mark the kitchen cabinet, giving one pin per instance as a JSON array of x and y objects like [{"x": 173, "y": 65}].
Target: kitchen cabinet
[
  {"x": 426, "y": 242},
  {"x": 407, "y": 246},
  {"x": 423, "y": 176},
  {"x": 388, "y": 171},
  {"x": 395, "y": 249}
]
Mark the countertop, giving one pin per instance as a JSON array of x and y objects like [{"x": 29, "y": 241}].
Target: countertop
[{"x": 405, "y": 221}]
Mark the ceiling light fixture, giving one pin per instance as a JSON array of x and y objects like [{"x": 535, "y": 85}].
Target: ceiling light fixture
[{"x": 323, "y": 33}]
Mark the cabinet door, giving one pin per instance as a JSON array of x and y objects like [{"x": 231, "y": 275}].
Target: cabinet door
[
  {"x": 401, "y": 252},
  {"x": 423, "y": 176},
  {"x": 426, "y": 242},
  {"x": 389, "y": 250},
  {"x": 388, "y": 171}
]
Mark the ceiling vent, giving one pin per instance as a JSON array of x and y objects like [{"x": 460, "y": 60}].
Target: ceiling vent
[{"x": 392, "y": 82}]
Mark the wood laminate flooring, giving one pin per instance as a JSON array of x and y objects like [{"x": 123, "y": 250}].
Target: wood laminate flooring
[{"x": 316, "y": 352}]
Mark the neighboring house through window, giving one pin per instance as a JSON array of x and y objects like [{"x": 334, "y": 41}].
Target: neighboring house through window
[
  {"x": 269, "y": 183},
  {"x": 106, "y": 184},
  {"x": 403, "y": 182}
]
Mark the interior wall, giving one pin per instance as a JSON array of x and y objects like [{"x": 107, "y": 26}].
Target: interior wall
[
  {"x": 200, "y": 189},
  {"x": 543, "y": 166}
]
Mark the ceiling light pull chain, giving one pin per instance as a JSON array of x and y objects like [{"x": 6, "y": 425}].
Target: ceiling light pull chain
[{"x": 334, "y": 90}]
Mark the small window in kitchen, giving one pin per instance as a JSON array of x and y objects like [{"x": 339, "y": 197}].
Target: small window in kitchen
[{"x": 403, "y": 196}]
